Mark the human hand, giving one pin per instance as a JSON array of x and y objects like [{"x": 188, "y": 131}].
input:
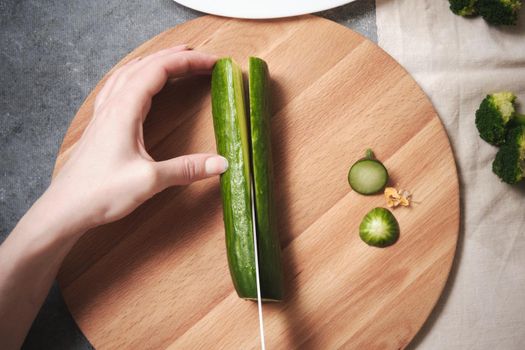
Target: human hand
[{"x": 109, "y": 172}]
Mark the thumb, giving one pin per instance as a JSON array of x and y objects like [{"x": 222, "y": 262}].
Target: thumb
[{"x": 190, "y": 168}]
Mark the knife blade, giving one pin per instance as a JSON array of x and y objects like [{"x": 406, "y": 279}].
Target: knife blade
[{"x": 257, "y": 278}]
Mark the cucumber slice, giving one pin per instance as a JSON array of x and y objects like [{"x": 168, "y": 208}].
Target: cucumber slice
[
  {"x": 232, "y": 139},
  {"x": 269, "y": 249},
  {"x": 368, "y": 175},
  {"x": 379, "y": 228}
]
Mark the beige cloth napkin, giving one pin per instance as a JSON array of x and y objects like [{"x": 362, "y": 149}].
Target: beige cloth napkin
[{"x": 457, "y": 62}]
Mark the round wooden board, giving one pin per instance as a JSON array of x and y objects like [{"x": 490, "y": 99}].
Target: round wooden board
[{"x": 159, "y": 278}]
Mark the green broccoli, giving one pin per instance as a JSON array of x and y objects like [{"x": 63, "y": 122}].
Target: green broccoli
[
  {"x": 495, "y": 114},
  {"x": 463, "y": 8},
  {"x": 509, "y": 164},
  {"x": 499, "y": 12}
]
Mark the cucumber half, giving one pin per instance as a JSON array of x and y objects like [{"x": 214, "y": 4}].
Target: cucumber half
[
  {"x": 269, "y": 248},
  {"x": 379, "y": 228},
  {"x": 233, "y": 143},
  {"x": 368, "y": 175},
  {"x": 248, "y": 151}
]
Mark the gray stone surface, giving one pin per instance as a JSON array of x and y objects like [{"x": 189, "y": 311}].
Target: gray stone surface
[{"x": 52, "y": 54}]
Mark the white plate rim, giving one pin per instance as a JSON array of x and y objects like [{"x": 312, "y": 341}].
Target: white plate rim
[{"x": 261, "y": 9}]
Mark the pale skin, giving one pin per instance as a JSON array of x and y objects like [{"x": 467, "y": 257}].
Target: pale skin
[{"x": 107, "y": 175}]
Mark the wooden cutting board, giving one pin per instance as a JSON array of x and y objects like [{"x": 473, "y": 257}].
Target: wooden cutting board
[{"x": 159, "y": 278}]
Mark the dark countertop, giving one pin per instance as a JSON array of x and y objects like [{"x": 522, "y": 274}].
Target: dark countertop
[{"x": 53, "y": 54}]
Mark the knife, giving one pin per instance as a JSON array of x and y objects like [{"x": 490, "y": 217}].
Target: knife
[{"x": 257, "y": 278}]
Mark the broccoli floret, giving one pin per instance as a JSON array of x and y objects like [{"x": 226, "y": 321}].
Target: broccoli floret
[
  {"x": 499, "y": 12},
  {"x": 494, "y": 116},
  {"x": 463, "y": 8},
  {"x": 509, "y": 164}
]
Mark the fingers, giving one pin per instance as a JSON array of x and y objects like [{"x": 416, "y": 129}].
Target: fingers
[
  {"x": 120, "y": 80},
  {"x": 141, "y": 79},
  {"x": 150, "y": 76},
  {"x": 190, "y": 168}
]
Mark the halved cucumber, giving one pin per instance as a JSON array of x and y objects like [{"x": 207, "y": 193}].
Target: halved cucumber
[
  {"x": 236, "y": 144},
  {"x": 270, "y": 270},
  {"x": 232, "y": 139}
]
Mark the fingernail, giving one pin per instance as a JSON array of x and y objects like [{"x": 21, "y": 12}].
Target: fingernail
[{"x": 216, "y": 165}]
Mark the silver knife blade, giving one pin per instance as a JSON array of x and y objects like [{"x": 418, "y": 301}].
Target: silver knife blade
[{"x": 257, "y": 278}]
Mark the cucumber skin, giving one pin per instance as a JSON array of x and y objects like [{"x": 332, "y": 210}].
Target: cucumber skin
[
  {"x": 269, "y": 249},
  {"x": 231, "y": 136}
]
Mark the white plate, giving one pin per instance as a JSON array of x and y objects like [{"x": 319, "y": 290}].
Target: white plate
[{"x": 261, "y": 8}]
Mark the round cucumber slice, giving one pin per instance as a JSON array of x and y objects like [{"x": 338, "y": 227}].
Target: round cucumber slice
[
  {"x": 368, "y": 175},
  {"x": 379, "y": 228}
]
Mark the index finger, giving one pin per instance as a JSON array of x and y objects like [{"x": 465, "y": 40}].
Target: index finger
[
  {"x": 113, "y": 81},
  {"x": 149, "y": 77}
]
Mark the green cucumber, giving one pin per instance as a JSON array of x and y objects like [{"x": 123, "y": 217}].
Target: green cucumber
[
  {"x": 248, "y": 152},
  {"x": 232, "y": 139},
  {"x": 269, "y": 249},
  {"x": 368, "y": 175},
  {"x": 379, "y": 228}
]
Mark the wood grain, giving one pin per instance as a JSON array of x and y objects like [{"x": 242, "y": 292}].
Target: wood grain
[{"x": 159, "y": 277}]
